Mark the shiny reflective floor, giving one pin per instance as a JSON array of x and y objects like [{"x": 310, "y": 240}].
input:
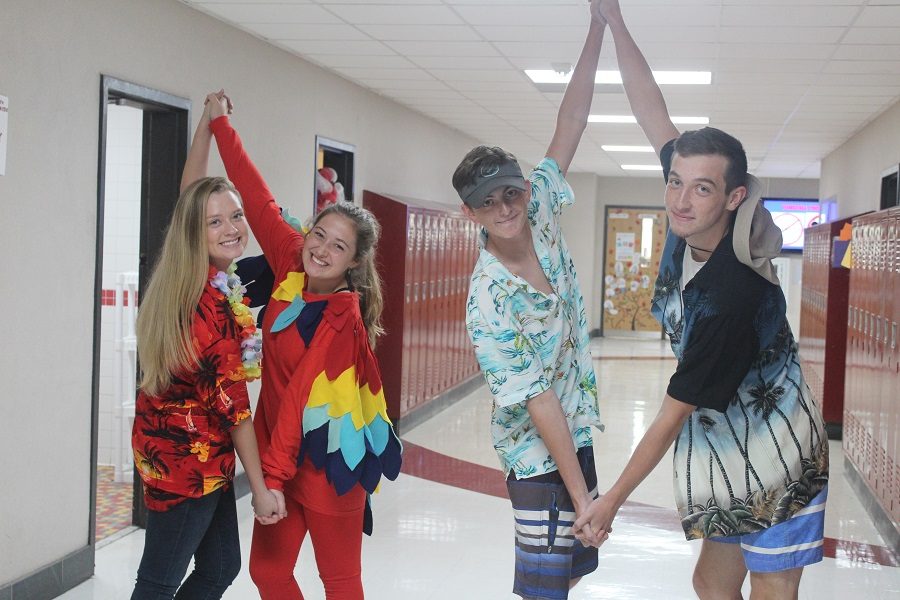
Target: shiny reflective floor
[{"x": 443, "y": 530}]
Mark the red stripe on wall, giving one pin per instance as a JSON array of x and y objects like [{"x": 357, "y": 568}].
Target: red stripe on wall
[{"x": 108, "y": 297}]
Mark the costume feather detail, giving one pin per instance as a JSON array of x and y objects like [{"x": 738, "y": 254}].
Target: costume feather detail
[
  {"x": 347, "y": 432},
  {"x": 346, "y": 428}
]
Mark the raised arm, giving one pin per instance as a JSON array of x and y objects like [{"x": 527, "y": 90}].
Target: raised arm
[
  {"x": 576, "y": 102},
  {"x": 644, "y": 96},
  {"x": 278, "y": 240},
  {"x": 197, "y": 164}
]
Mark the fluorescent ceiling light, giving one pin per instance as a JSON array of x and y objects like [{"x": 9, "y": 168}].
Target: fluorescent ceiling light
[
  {"x": 627, "y": 148},
  {"x": 642, "y": 167},
  {"x": 631, "y": 119},
  {"x": 614, "y": 77}
]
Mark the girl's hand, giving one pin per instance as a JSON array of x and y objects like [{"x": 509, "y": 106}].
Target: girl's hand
[
  {"x": 219, "y": 104},
  {"x": 265, "y": 507}
]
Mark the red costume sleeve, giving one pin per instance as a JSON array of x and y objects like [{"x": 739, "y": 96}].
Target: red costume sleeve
[{"x": 276, "y": 237}]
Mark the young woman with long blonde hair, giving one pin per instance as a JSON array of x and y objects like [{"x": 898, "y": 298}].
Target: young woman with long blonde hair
[{"x": 198, "y": 346}]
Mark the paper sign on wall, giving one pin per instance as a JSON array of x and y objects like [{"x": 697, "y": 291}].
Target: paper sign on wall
[
  {"x": 624, "y": 246},
  {"x": 4, "y": 123}
]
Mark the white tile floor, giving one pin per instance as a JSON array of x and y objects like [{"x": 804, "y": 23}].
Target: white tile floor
[{"x": 439, "y": 542}]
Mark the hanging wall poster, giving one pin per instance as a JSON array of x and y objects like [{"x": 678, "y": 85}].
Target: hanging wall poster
[
  {"x": 4, "y": 125},
  {"x": 624, "y": 246}
]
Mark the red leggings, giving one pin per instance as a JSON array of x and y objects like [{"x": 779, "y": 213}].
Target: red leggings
[{"x": 337, "y": 541}]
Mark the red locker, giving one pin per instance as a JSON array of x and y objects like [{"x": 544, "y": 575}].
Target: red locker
[
  {"x": 421, "y": 257},
  {"x": 824, "y": 322},
  {"x": 872, "y": 403}
]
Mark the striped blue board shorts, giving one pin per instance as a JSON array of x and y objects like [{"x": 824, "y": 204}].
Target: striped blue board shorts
[
  {"x": 794, "y": 543},
  {"x": 547, "y": 554}
]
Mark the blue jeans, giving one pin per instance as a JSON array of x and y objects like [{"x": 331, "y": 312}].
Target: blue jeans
[{"x": 205, "y": 528}]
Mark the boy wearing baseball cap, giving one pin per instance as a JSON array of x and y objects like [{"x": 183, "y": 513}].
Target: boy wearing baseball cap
[{"x": 525, "y": 317}]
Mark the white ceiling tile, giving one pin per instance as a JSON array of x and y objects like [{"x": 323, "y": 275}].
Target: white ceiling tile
[
  {"x": 550, "y": 33},
  {"x": 507, "y": 87},
  {"x": 775, "y": 50},
  {"x": 453, "y": 33},
  {"x": 334, "y": 47},
  {"x": 688, "y": 50},
  {"x": 868, "y": 52},
  {"x": 444, "y": 49},
  {"x": 774, "y": 33},
  {"x": 453, "y": 75},
  {"x": 388, "y": 14},
  {"x": 327, "y": 2},
  {"x": 370, "y": 73},
  {"x": 308, "y": 31},
  {"x": 403, "y": 84},
  {"x": 753, "y": 15},
  {"x": 891, "y": 69},
  {"x": 642, "y": 35},
  {"x": 873, "y": 35},
  {"x": 860, "y": 80},
  {"x": 568, "y": 51},
  {"x": 769, "y": 79},
  {"x": 361, "y": 61},
  {"x": 879, "y": 16},
  {"x": 770, "y": 65},
  {"x": 821, "y": 3},
  {"x": 248, "y": 12},
  {"x": 461, "y": 62},
  {"x": 525, "y": 15},
  {"x": 673, "y": 15}
]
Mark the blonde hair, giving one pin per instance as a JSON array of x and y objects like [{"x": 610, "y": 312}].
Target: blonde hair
[
  {"x": 364, "y": 277},
  {"x": 164, "y": 339}
]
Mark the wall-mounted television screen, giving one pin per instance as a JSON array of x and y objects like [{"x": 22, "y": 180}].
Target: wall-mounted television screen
[{"x": 793, "y": 215}]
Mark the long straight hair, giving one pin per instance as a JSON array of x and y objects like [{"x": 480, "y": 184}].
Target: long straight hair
[
  {"x": 364, "y": 277},
  {"x": 164, "y": 340}
]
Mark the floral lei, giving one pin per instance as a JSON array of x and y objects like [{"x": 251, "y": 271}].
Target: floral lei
[{"x": 230, "y": 285}]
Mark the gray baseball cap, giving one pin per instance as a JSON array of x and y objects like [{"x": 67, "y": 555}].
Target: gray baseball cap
[{"x": 488, "y": 178}]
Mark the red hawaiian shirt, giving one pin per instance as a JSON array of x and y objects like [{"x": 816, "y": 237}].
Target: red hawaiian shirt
[{"x": 181, "y": 438}]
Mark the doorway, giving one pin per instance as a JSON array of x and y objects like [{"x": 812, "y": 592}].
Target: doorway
[
  {"x": 142, "y": 148},
  {"x": 635, "y": 237}
]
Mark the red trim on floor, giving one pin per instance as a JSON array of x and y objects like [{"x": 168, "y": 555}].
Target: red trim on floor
[{"x": 427, "y": 464}]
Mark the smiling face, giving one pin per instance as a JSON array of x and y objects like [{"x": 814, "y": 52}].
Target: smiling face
[
  {"x": 226, "y": 229},
  {"x": 329, "y": 252},
  {"x": 698, "y": 207},
  {"x": 504, "y": 213}
]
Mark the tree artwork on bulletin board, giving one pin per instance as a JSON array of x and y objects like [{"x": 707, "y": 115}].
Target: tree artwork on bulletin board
[{"x": 631, "y": 267}]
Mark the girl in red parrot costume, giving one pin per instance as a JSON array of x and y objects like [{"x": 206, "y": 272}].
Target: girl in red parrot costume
[{"x": 324, "y": 434}]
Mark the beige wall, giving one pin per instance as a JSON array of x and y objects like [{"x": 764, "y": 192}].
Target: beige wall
[
  {"x": 53, "y": 55},
  {"x": 852, "y": 173}
]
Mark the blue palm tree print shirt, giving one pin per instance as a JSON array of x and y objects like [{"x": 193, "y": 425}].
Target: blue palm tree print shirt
[
  {"x": 528, "y": 342},
  {"x": 755, "y": 450}
]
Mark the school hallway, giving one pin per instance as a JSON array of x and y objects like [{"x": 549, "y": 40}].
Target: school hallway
[{"x": 443, "y": 530}]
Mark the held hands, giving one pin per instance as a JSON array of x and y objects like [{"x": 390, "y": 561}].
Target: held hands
[
  {"x": 593, "y": 526},
  {"x": 218, "y": 104},
  {"x": 597, "y": 14},
  {"x": 608, "y": 10},
  {"x": 268, "y": 507}
]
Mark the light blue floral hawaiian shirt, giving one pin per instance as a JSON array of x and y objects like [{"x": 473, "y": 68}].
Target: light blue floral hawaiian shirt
[{"x": 527, "y": 342}]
